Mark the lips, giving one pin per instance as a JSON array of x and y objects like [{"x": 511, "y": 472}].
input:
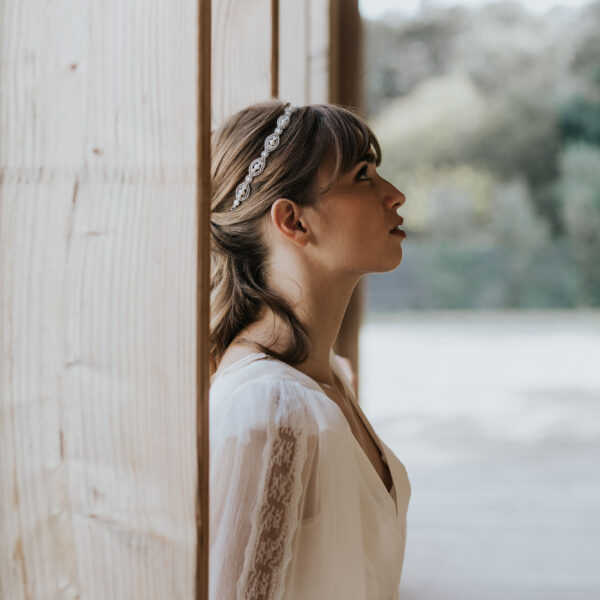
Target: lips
[{"x": 399, "y": 222}]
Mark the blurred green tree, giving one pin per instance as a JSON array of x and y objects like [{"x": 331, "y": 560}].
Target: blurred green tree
[
  {"x": 521, "y": 233},
  {"x": 580, "y": 191},
  {"x": 579, "y": 119},
  {"x": 521, "y": 138}
]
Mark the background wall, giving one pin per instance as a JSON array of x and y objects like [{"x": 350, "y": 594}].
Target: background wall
[{"x": 105, "y": 113}]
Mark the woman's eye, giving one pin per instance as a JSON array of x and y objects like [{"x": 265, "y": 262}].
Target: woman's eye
[{"x": 362, "y": 172}]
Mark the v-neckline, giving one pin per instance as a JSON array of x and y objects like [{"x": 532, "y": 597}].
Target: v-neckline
[{"x": 357, "y": 411}]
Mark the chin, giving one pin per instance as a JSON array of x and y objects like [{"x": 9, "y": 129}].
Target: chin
[{"x": 392, "y": 262}]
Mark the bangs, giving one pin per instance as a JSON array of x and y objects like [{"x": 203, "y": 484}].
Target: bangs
[{"x": 348, "y": 139}]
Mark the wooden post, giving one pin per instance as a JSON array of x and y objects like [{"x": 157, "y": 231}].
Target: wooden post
[
  {"x": 304, "y": 57},
  {"x": 203, "y": 157},
  {"x": 243, "y": 62},
  {"x": 98, "y": 251},
  {"x": 346, "y": 88}
]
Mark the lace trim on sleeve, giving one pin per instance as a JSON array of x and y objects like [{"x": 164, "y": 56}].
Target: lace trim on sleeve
[{"x": 275, "y": 516}]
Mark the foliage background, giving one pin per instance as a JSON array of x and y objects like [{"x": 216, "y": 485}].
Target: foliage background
[{"x": 489, "y": 120}]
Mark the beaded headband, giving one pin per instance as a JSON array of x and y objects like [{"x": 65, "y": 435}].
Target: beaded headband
[{"x": 257, "y": 166}]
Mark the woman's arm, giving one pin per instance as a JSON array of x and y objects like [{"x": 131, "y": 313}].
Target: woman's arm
[{"x": 261, "y": 440}]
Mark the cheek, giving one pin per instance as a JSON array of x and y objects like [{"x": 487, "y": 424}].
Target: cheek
[
  {"x": 362, "y": 225},
  {"x": 351, "y": 232},
  {"x": 360, "y": 238},
  {"x": 350, "y": 224}
]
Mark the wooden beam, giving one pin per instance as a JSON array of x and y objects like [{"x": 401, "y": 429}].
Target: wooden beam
[
  {"x": 242, "y": 55},
  {"x": 98, "y": 175},
  {"x": 304, "y": 56},
  {"x": 275, "y": 48},
  {"x": 203, "y": 158},
  {"x": 346, "y": 88}
]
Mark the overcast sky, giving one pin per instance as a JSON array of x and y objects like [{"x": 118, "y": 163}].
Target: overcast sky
[{"x": 372, "y": 9}]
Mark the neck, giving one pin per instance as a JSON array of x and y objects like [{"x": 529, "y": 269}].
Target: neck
[{"x": 320, "y": 305}]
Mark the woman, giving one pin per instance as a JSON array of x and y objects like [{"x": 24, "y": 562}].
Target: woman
[{"x": 306, "y": 502}]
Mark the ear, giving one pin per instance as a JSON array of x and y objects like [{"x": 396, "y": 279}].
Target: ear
[{"x": 287, "y": 218}]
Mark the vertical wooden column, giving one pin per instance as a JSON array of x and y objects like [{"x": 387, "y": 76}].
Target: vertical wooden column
[
  {"x": 347, "y": 64},
  {"x": 304, "y": 51},
  {"x": 346, "y": 88},
  {"x": 203, "y": 190},
  {"x": 98, "y": 251},
  {"x": 244, "y": 63}
]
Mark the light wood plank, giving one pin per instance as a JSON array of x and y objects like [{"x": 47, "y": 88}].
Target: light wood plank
[
  {"x": 304, "y": 51},
  {"x": 98, "y": 462},
  {"x": 242, "y": 48},
  {"x": 294, "y": 38}
]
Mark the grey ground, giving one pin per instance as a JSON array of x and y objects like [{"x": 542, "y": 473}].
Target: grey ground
[{"x": 496, "y": 417}]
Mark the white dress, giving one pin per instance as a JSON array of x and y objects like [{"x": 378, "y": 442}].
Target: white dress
[{"x": 297, "y": 510}]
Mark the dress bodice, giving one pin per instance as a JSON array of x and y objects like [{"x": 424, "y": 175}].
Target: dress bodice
[{"x": 343, "y": 533}]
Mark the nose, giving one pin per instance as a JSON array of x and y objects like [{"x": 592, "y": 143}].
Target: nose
[
  {"x": 401, "y": 199},
  {"x": 396, "y": 198}
]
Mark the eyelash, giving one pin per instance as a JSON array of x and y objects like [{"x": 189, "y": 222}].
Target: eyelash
[{"x": 363, "y": 170}]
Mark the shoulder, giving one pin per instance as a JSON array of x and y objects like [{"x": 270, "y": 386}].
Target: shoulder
[
  {"x": 266, "y": 402},
  {"x": 262, "y": 379},
  {"x": 248, "y": 395}
]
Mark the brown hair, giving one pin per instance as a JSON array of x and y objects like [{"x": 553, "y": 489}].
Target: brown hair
[{"x": 238, "y": 289}]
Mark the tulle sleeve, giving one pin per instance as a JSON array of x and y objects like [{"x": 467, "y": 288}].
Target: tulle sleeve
[{"x": 262, "y": 443}]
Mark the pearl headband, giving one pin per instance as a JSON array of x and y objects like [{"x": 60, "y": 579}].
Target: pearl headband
[{"x": 257, "y": 166}]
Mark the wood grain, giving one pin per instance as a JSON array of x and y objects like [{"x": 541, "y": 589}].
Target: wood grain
[
  {"x": 97, "y": 250},
  {"x": 242, "y": 46},
  {"x": 304, "y": 57}
]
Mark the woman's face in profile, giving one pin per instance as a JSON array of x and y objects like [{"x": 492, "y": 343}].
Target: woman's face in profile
[{"x": 355, "y": 219}]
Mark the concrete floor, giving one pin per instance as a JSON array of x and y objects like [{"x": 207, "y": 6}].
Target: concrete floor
[{"x": 496, "y": 417}]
